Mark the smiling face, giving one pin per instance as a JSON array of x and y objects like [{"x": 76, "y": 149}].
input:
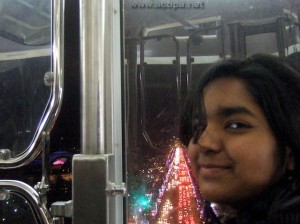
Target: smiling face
[{"x": 236, "y": 155}]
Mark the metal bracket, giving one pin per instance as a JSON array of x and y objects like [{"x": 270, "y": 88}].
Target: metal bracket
[
  {"x": 49, "y": 79},
  {"x": 5, "y": 154},
  {"x": 43, "y": 187},
  {"x": 4, "y": 195},
  {"x": 112, "y": 189},
  {"x": 62, "y": 209}
]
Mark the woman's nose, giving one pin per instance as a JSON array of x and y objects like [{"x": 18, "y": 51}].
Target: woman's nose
[{"x": 210, "y": 140}]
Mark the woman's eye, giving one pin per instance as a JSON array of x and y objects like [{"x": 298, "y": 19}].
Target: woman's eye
[
  {"x": 199, "y": 128},
  {"x": 237, "y": 125}
]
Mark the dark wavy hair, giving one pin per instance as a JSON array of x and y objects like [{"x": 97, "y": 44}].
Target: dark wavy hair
[{"x": 275, "y": 87}]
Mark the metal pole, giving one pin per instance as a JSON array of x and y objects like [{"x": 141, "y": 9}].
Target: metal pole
[{"x": 92, "y": 22}]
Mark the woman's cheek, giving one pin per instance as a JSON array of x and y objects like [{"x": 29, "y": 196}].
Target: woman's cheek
[{"x": 193, "y": 156}]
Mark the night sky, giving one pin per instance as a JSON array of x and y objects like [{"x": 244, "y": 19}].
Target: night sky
[{"x": 66, "y": 131}]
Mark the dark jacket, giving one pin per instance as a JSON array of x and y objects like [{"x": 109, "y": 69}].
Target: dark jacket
[{"x": 280, "y": 205}]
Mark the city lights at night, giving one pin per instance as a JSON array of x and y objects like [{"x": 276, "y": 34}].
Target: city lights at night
[{"x": 178, "y": 199}]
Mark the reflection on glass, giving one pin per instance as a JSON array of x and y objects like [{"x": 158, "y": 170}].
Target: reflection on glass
[
  {"x": 258, "y": 40},
  {"x": 25, "y": 38},
  {"x": 220, "y": 29},
  {"x": 26, "y": 21},
  {"x": 158, "y": 122},
  {"x": 15, "y": 209},
  {"x": 178, "y": 199},
  {"x": 23, "y": 98}
]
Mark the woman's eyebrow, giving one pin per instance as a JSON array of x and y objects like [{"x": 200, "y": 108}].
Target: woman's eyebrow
[{"x": 229, "y": 111}]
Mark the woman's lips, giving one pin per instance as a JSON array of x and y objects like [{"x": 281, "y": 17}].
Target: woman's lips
[{"x": 211, "y": 170}]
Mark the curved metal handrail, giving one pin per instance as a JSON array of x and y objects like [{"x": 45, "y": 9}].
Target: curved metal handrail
[
  {"x": 43, "y": 216},
  {"x": 55, "y": 100},
  {"x": 142, "y": 81},
  {"x": 188, "y": 52}
]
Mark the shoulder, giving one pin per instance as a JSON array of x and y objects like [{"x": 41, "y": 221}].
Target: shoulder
[{"x": 286, "y": 209}]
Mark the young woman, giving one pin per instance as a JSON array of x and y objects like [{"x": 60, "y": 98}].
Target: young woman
[{"x": 242, "y": 129}]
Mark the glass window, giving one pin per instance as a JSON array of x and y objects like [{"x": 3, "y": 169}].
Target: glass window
[
  {"x": 15, "y": 209},
  {"x": 25, "y": 34},
  {"x": 168, "y": 44}
]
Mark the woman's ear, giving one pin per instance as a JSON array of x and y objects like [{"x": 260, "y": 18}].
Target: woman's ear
[{"x": 290, "y": 160}]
